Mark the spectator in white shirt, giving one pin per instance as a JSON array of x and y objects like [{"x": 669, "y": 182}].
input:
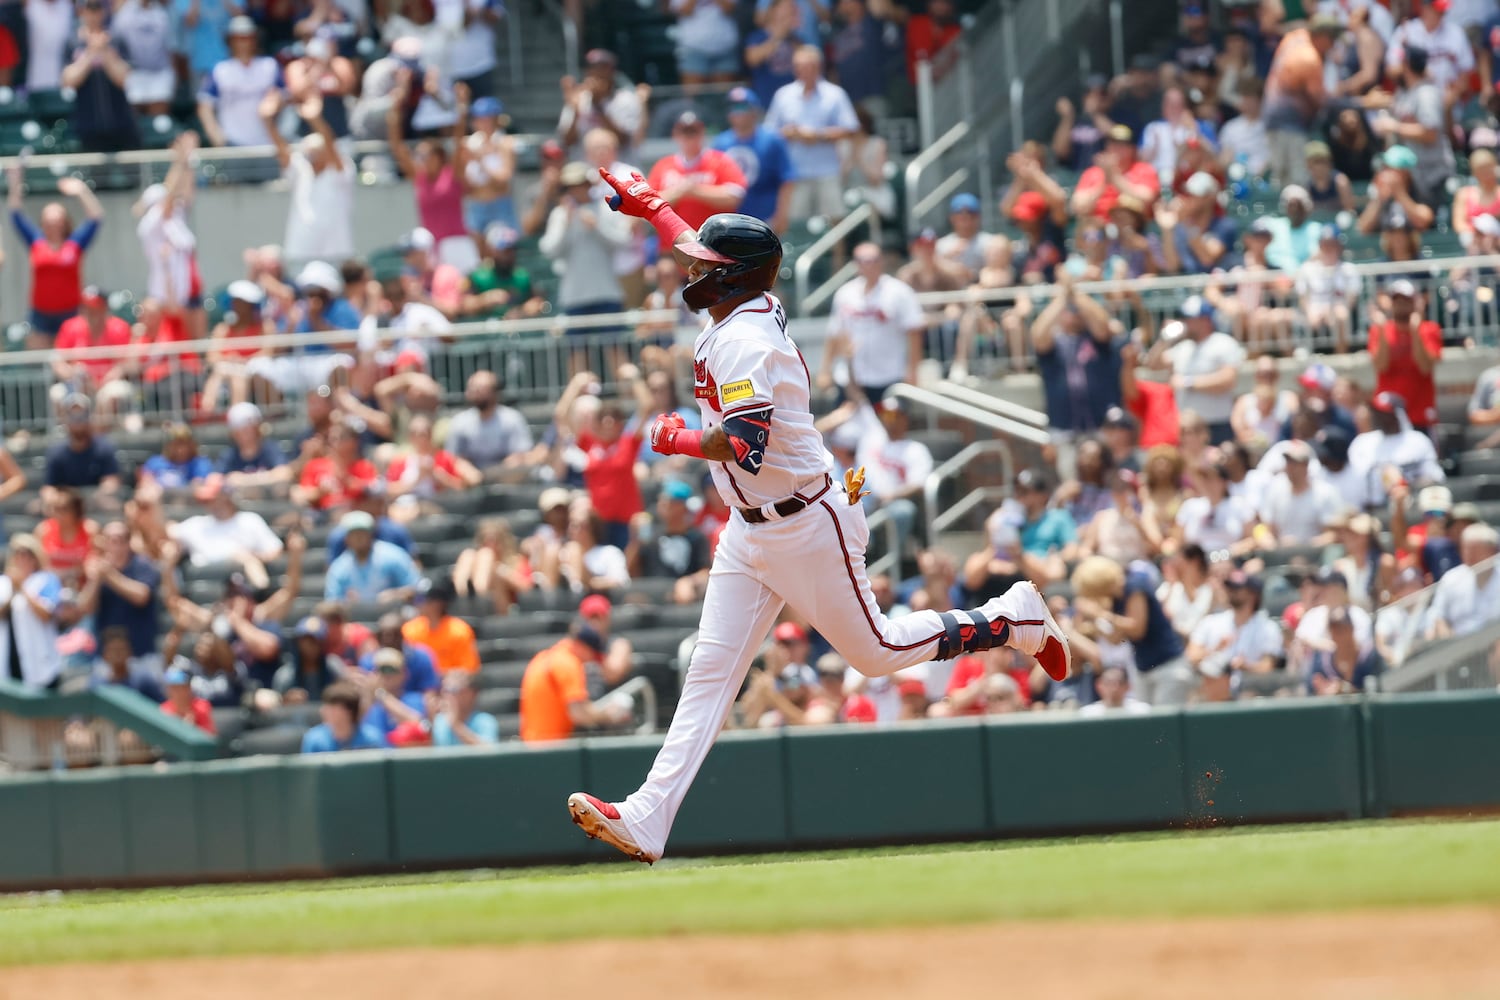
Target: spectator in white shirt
[
  {"x": 1296, "y": 505},
  {"x": 414, "y": 323},
  {"x": 1205, "y": 366},
  {"x": 1213, "y": 519},
  {"x": 1332, "y": 591},
  {"x": 1243, "y": 138},
  {"x": 227, "y": 534},
  {"x": 1392, "y": 452},
  {"x": 1332, "y": 447},
  {"x": 1113, "y": 687},
  {"x": 471, "y": 56},
  {"x": 878, "y": 324},
  {"x": 1450, "y": 55},
  {"x": 320, "y": 218},
  {"x": 896, "y": 468},
  {"x": 1329, "y": 286},
  {"x": 1242, "y": 638},
  {"x": 1463, "y": 602},
  {"x": 49, "y": 33},
  {"x": 813, "y": 115},
  {"x": 145, "y": 27},
  {"x": 230, "y": 99},
  {"x": 167, "y": 244}
]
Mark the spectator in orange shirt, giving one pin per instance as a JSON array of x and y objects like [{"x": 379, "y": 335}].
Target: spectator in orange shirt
[
  {"x": 450, "y": 639},
  {"x": 554, "y": 690}
]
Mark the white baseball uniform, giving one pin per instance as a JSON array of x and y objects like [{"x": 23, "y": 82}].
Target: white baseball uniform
[{"x": 813, "y": 559}]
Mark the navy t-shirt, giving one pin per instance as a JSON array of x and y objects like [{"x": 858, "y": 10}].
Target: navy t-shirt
[
  {"x": 859, "y": 53},
  {"x": 269, "y": 457},
  {"x": 1439, "y": 555},
  {"x": 262, "y": 672},
  {"x": 66, "y": 467},
  {"x": 1161, "y": 643},
  {"x": 139, "y": 622},
  {"x": 1080, "y": 380},
  {"x": 776, "y": 72}
]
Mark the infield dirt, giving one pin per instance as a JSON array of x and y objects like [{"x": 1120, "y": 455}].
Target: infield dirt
[{"x": 1412, "y": 954}]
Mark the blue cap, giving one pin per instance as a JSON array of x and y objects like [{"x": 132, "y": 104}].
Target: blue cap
[
  {"x": 1195, "y": 307},
  {"x": 501, "y": 237},
  {"x": 741, "y": 98},
  {"x": 176, "y": 675},
  {"x": 486, "y": 107},
  {"x": 963, "y": 202},
  {"x": 675, "y": 489},
  {"x": 311, "y": 626},
  {"x": 1330, "y": 232}
]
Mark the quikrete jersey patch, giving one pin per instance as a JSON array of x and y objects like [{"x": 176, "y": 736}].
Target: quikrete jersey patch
[{"x": 733, "y": 392}]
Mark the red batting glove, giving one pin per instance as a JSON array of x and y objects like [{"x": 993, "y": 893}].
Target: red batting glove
[
  {"x": 638, "y": 199},
  {"x": 664, "y": 431},
  {"x": 633, "y": 196}
]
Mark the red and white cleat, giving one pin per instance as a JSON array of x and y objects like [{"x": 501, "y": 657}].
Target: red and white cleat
[
  {"x": 601, "y": 821},
  {"x": 1033, "y": 629}
]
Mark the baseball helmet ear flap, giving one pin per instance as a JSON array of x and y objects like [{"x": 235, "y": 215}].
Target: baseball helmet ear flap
[{"x": 747, "y": 253}]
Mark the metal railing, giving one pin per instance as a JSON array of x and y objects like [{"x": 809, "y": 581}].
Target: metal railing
[
  {"x": 39, "y": 729},
  {"x": 918, "y": 204},
  {"x": 808, "y": 298},
  {"x": 994, "y": 404},
  {"x": 889, "y": 560},
  {"x": 1415, "y": 612},
  {"x": 1467, "y": 663},
  {"x": 1000, "y": 447}
]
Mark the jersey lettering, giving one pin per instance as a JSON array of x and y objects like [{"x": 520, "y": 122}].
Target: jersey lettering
[
  {"x": 749, "y": 431},
  {"x": 704, "y": 386}
]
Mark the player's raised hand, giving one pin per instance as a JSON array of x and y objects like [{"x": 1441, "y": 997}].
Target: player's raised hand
[
  {"x": 664, "y": 433},
  {"x": 633, "y": 196}
]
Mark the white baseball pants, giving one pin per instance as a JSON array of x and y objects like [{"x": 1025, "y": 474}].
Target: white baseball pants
[{"x": 813, "y": 560}]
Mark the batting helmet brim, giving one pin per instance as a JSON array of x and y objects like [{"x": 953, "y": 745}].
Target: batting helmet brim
[{"x": 696, "y": 250}]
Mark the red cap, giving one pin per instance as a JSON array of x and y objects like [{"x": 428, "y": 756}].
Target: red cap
[
  {"x": 1029, "y": 207},
  {"x": 94, "y": 298},
  {"x": 594, "y": 606},
  {"x": 1441, "y": 6},
  {"x": 859, "y": 709},
  {"x": 912, "y": 688},
  {"x": 410, "y": 360},
  {"x": 1387, "y": 402},
  {"x": 789, "y": 632}
]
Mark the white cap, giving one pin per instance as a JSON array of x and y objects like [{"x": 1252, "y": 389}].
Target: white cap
[
  {"x": 1435, "y": 499},
  {"x": 246, "y": 291},
  {"x": 153, "y": 195},
  {"x": 1295, "y": 192},
  {"x": 321, "y": 274},
  {"x": 242, "y": 415},
  {"x": 421, "y": 239},
  {"x": 1201, "y": 185}
]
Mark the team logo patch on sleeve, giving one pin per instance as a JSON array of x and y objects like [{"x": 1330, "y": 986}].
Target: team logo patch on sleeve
[{"x": 733, "y": 392}]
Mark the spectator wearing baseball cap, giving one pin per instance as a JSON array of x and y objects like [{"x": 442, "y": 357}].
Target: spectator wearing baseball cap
[
  {"x": 1196, "y": 236},
  {"x": 499, "y": 287},
  {"x": 1296, "y": 505},
  {"x": 1328, "y": 187},
  {"x": 82, "y": 459},
  {"x": 180, "y": 701},
  {"x": 926, "y": 271},
  {"x": 669, "y": 545},
  {"x": 1404, "y": 351},
  {"x": 1393, "y": 453},
  {"x": 1205, "y": 366},
  {"x": 1119, "y": 172},
  {"x": 697, "y": 181},
  {"x": 1039, "y": 207},
  {"x": 369, "y": 571},
  {"x": 1315, "y": 393},
  {"x": 251, "y": 460},
  {"x": 458, "y": 722},
  {"x": 1416, "y": 117},
  {"x": 244, "y": 318},
  {"x": 108, "y": 379},
  {"x": 1395, "y": 209},
  {"x": 1330, "y": 591},
  {"x": 966, "y": 243},
  {"x": 1295, "y": 233},
  {"x": 554, "y": 690},
  {"x": 762, "y": 157}
]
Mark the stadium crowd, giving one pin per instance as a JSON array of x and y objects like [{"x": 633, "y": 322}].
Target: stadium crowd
[{"x": 1201, "y": 543}]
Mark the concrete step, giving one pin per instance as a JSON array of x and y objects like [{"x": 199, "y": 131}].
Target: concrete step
[{"x": 960, "y": 545}]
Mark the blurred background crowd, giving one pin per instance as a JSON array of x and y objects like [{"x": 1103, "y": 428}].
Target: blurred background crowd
[{"x": 329, "y": 526}]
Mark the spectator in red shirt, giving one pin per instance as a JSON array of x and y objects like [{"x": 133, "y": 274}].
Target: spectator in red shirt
[
  {"x": 330, "y": 482},
  {"x": 424, "y": 472},
  {"x": 1116, "y": 171},
  {"x": 1404, "y": 351},
  {"x": 928, "y": 34},
  {"x": 182, "y": 703},
  {"x": 56, "y": 250},
  {"x": 697, "y": 182},
  {"x": 107, "y": 380},
  {"x": 1154, "y": 404},
  {"x": 612, "y": 451},
  {"x": 66, "y": 535}
]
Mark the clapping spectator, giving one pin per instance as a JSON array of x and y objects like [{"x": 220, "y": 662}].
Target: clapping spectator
[
  {"x": 230, "y": 98},
  {"x": 1196, "y": 237},
  {"x": 602, "y": 150},
  {"x": 1115, "y": 173},
  {"x": 1404, "y": 351},
  {"x": 1162, "y": 138},
  {"x": 813, "y": 115},
  {"x": 392, "y": 702},
  {"x": 1394, "y": 210},
  {"x": 1078, "y": 138},
  {"x": 598, "y": 102},
  {"x": 1240, "y": 640},
  {"x": 57, "y": 250},
  {"x": 330, "y": 481},
  {"x": 1416, "y": 121},
  {"x": 369, "y": 571},
  {"x": 770, "y": 48},
  {"x": 28, "y": 646},
  {"x": 491, "y": 169},
  {"x": 320, "y": 217},
  {"x": 698, "y": 182},
  {"x": 97, "y": 71},
  {"x": 1077, "y": 355},
  {"x": 227, "y": 534},
  {"x": 106, "y": 379}
]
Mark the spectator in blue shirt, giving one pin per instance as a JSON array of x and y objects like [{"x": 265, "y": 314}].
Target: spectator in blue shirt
[
  {"x": 763, "y": 157},
  {"x": 392, "y": 703},
  {"x": 1048, "y": 534},
  {"x": 811, "y": 15},
  {"x": 341, "y": 728},
  {"x": 769, "y": 48},
  {"x": 369, "y": 571},
  {"x": 370, "y": 498},
  {"x": 457, "y": 723},
  {"x": 252, "y": 459},
  {"x": 323, "y": 307},
  {"x": 813, "y": 115},
  {"x": 120, "y": 590},
  {"x": 200, "y": 27},
  {"x": 421, "y": 667},
  {"x": 179, "y": 466},
  {"x": 861, "y": 52}
]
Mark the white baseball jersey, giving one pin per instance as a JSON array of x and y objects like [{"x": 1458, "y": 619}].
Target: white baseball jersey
[
  {"x": 877, "y": 321},
  {"x": 746, "y": 362},
  {"x": 1449, "y": 54}
]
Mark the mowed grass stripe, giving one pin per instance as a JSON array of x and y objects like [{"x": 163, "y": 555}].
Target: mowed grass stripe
[{"x": 1277, "y": 870}]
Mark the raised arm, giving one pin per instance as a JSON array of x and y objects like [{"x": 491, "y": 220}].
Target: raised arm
[{"x": 395, "y": 136}]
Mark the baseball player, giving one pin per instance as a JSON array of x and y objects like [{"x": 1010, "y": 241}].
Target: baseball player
[{"x": 796, "y": 536}]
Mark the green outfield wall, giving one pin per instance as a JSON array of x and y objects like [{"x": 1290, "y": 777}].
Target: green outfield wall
[{"x": 1015, "y": 776}]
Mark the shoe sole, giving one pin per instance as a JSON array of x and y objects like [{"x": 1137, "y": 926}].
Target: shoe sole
[
  {"x": 596, "y": 827},
  {"x": 1054, "y": 635}
]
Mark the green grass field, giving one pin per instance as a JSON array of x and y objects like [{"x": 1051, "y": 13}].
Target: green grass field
[{"x": 1266, "y": 870}]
